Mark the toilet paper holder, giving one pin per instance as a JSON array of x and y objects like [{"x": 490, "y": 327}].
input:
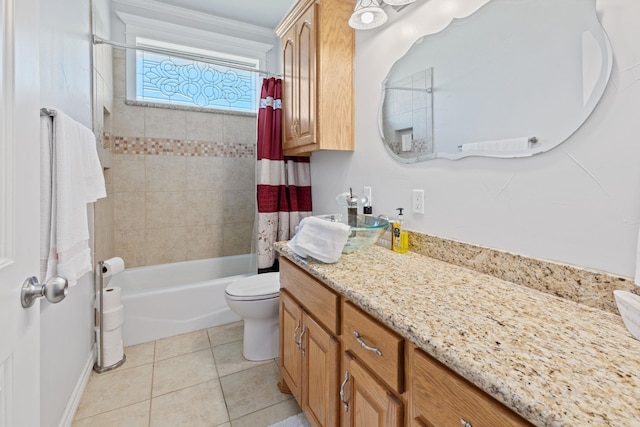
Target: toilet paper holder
[{"x": 99, "y": 365}]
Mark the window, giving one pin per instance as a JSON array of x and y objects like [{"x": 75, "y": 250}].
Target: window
[{"x": 164, "y": 78}]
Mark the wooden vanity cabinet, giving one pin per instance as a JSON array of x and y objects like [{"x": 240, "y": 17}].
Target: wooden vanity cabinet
[
  {"x": 309, "y": 350},
  {"x": 440, "y": 397},
  {"x": 317, "y": 98},
  {"x": 372, "y": 377}
]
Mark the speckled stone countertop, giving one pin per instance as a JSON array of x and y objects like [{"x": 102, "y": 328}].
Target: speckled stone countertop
[{"x": 553, "y": 361}]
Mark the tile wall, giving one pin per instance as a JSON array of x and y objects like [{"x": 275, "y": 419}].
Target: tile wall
[{"x": 182, "y": 182}]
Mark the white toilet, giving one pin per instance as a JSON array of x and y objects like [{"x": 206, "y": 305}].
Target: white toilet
[{"x": 255, "y": 299}]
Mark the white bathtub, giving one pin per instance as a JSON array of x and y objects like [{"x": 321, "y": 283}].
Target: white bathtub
[{"x": 170, "y": 299}]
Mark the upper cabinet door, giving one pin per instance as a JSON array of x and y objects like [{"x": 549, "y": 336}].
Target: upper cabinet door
[
  {"x": 306, "y": 81},
  {"x": 288, "y": 93}
]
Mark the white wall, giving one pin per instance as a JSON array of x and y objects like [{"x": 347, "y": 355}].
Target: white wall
[
  {"x": 65, "y": 81},
  {"x": 577, "y": 204}
]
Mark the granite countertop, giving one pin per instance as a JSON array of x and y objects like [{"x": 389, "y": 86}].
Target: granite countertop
[{"x": 553, "y": 361}]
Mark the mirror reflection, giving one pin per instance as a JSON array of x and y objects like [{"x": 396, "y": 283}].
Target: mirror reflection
[{"x": 513, "y": 79}]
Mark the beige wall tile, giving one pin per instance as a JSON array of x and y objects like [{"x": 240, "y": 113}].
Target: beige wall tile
[
  {"x": 205, "y": 126},
  {"x": 204, "y": 207},
  {"x": 128, "y": 172},
  {"x": 130, "y": 246},
  {"x": 119, "y": 78},
  {"x": 204, "y": 241},
  {"x": 166, "y": 209},
  {"x": 205, "y": 173},
  {"x": 163, "y": 245},
  {"x": 237, "y": 239},
  {"x": 129, "y": 211},
  {"x": 240, "y": 173},
  {"x": 166, "y": 173},
  {"x": 240, "y": 129},
  {"x": 239, "y": 206},
  {"x": 164, "y": 123},
  {"x": 128, "y": 120}
]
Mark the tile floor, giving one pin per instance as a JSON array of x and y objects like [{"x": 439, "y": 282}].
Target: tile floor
[{"x": 193, "y": 380}]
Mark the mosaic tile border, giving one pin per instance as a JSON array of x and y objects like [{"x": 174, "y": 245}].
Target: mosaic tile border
[
  {"x": 588, "y": 287},
  {"x": 179, "y": 147}
]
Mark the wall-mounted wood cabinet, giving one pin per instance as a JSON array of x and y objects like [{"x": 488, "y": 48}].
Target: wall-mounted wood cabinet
[{"x": 317, "y": 98}]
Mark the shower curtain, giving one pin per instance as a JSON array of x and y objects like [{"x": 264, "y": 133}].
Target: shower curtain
[{"x": 284, "y": 183}]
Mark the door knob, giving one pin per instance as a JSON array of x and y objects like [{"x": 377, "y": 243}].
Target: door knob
[{"x": 54, "y": 290}]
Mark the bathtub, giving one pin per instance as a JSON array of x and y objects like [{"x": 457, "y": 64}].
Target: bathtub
[{"x": 170, "y": 299}]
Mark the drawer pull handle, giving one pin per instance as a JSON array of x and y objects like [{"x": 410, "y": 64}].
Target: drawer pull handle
[
  {"x": 295, "y": 332},
  {"x": 465, "y": 423},
  {"x": 364, "y": 345},
  {"x": 344, "y": 402},
  {"x": 300, "y": 343}
]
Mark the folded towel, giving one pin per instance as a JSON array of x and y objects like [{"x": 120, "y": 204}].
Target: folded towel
[
  {"x": 320, "y": 239},
  {"x": 72, "y": 177}
]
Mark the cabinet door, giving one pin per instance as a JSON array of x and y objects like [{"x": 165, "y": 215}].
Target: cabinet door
[
  {"x": 305, "y": 80},
  {"x": 290, "y": 355},
  {"x": 320, "y": 370},
  {"x": 366, "y": 402},
  {"x": 288, "y": 86}
]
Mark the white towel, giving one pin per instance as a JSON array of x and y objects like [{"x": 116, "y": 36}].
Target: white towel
[
  {"x": 320, "y": 239},
  {"x": 71, "y": 178}
]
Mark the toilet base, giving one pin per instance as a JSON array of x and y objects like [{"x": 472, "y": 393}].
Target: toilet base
[{"x": 261, "y": 339}]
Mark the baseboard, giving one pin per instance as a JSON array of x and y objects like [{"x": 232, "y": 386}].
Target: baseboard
[{"x": 74, "y": 400}]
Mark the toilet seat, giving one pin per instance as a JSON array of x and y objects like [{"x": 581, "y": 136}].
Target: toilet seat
[{"x": 254, "y": 288}]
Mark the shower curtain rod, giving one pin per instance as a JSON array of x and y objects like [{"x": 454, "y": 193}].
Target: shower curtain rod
[{"x": 185, "y": 55}]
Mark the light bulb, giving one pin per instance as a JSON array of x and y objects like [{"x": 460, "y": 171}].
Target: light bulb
[{"x": 367, "y": 18}]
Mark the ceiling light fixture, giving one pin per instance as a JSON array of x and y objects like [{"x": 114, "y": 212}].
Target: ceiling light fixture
[{"x": 368, "y": 14}]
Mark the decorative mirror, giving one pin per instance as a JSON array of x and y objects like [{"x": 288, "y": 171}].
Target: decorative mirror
[{"x": 514, "y": 79}]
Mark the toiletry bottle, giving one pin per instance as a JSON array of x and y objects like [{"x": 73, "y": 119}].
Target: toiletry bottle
[{"x": 399, "y": 237}]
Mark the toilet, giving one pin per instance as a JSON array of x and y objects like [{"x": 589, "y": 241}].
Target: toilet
[{"x": 255, "y": 299}]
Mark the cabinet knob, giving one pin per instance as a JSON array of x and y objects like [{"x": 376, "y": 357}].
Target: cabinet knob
[
  {"x": 465, "y": 423},
  {"x": 300, "y": 342}
]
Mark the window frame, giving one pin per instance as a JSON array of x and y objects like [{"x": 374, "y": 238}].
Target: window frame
[{"x": 197, "y": 39}]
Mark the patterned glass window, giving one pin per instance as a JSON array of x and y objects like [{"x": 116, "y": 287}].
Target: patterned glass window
[{"x": 170, "y": 79}]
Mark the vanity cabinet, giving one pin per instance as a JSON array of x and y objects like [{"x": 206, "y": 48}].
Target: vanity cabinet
[
  {"x": 317, "y": 98},
  {"x": 347, "y": 369},
  {"x": 440, "y": 397},
  {"x": 309, "y": 350}
]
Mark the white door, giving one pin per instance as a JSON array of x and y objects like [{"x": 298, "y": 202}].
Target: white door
[{"x": 19, "y": 212}]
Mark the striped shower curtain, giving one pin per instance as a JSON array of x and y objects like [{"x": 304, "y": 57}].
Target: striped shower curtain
[{"x": 284, "y": 183}]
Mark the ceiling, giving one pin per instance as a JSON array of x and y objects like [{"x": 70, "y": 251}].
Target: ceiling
[{"x": 263, "y": 13}]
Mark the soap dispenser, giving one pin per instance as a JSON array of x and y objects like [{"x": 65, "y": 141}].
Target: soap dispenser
[{"x": 399, "y": 236}]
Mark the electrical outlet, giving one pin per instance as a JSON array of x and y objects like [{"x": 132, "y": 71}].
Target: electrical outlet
[{"x": 417, "y": 201}]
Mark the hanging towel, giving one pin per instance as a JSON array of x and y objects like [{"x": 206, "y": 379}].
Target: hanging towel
[
  {"x": 71, "y": 178},
  {"x": 320, "y": 239}
]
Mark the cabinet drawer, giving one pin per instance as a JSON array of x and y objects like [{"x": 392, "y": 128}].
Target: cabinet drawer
[
  {"x": 440, "y": 397},
  {"x": 363, "y": 335},
  {"x": 315, "y": 297}
]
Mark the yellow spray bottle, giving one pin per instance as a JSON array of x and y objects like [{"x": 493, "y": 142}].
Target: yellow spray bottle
[{"x": 399, "y": 236}]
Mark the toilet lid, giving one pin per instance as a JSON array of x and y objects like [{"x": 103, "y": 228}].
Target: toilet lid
[{"x": 262, "y": 286}]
